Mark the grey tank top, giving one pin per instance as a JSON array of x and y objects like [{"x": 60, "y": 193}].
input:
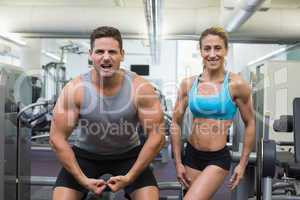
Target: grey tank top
[{"x": 108, "y": 124}]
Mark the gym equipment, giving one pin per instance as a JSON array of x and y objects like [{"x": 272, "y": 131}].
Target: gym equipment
[
  {"x": 290, "y": 181},
  {"x": 37, "y": 116},
  {"x": 54, "y": 79},
  {"x": 15, "y": 90},
  {"x": 266, "y": 160},
  {"x": 262, "y": 159}
]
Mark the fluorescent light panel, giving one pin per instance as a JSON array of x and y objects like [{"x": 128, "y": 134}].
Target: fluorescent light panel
[
  {"x": 51, "y": 55},
  {"x": 273, "y": 54},
  {"x": 10, "y": 37}
]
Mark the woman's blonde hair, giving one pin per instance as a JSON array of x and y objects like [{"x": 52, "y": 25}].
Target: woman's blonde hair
[{"x": 219, "y": 31}]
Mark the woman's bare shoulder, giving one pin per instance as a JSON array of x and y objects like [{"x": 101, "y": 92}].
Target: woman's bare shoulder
[{"x": 187, "y": 83}]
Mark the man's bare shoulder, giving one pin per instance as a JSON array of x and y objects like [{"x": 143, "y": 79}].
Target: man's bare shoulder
[
  {"x": 142, "y": 85},
  {"x": 74, "y": 82},
  {"x": 73, "y": 91}
]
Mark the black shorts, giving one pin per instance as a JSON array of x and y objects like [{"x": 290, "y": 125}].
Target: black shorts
[
  {"x": 201, "y": 159},
  {"x": 94, "y": 166}
]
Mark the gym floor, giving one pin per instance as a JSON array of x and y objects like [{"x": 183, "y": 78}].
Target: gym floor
[{"x": 44, "y": 163}]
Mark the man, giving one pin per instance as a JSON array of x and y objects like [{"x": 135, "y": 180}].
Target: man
[{"x": 107, "y": 104}]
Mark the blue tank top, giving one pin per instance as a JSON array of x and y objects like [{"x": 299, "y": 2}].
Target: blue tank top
[{"x": 217, "y": 106}]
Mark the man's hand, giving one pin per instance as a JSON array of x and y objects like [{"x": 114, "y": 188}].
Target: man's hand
[
  {"x": 181, "y": 175},
  {"x": 95, "y": 185},
  {"x": 118, "y": 182},
  {"x": 237, "y": 175}
]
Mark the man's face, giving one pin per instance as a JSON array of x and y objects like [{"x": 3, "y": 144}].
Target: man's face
[{"x": 106, "y": 56}]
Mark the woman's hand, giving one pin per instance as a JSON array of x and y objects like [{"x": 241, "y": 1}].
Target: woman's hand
[
  {"x": 181, "y": 175},
  {"x": 236, "y": 177}
]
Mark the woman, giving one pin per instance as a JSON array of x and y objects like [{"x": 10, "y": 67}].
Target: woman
[{"x": 213, "y": 97}]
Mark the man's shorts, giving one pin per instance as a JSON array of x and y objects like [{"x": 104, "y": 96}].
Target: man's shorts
[
  {"x": 94, "y": 166},
  {"x": 201, "y": 159}
]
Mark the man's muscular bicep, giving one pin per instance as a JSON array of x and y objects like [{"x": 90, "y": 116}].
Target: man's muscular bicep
[
  {"x": 66, "y": 112},
  {"x": 149, "y": 108}
]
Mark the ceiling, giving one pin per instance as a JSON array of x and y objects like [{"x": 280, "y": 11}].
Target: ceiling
[{"x": 180, "y": 19}]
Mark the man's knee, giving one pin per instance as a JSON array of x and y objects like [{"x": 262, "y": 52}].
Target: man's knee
[{"x": 64, "y": 193}]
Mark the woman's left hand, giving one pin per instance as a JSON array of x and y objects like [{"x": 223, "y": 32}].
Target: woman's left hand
[{"x": 237, "y": 175}]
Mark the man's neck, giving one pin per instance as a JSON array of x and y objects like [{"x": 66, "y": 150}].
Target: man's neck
[{"x": 108, "y": 82}]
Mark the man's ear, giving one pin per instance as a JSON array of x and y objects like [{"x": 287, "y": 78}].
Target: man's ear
[
  {"x": 123, "y": 54},
  {"x": 90, "y": 54}
]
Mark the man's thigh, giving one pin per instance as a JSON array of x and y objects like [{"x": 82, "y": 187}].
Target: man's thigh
[
  {"x": 64, "y": 193},
  {"x": 145, "y": 179},
  {"x": 91, "y": 169}
]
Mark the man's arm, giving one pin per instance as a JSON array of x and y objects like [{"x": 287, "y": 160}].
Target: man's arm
[
  {"x": 65, "y": 117},
  {"x": 244, "y": 103},
  {"x": 151, "y": 117}
]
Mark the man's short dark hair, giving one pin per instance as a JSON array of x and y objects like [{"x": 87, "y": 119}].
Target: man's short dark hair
[{"x": 106, "y": 31}]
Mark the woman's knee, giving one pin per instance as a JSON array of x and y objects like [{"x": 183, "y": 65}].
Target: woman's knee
[{"x": 145, "y": 193}]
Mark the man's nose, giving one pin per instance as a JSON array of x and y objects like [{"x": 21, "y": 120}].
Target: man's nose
[{"x": 106, "y": 56}]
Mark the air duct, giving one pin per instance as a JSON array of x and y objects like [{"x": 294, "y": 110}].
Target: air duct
[
  {"x": 153, "y": 19},
  {"x": 242, "y": 12}
]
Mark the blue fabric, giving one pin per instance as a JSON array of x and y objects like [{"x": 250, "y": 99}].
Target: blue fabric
[{"x": 217, "y": 106}]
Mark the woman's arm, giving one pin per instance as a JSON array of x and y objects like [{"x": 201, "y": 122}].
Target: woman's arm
[
  {"x": 178, "y": 113},
  {"x": 244, "y": 103}
]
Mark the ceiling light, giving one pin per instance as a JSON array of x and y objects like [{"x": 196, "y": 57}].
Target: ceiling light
[{"x": 13, "y": 38}]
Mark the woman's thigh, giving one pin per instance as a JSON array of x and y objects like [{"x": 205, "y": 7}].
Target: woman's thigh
[
  {"x": 206, "y": 183},
  {"x": 192, "y": 173}
]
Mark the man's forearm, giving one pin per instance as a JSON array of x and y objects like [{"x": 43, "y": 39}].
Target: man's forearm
[
  {"x": 151, "y": 148},
  {"x": 67, "y": 158}
]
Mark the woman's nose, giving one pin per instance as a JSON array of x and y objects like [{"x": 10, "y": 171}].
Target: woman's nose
[{"x": 212, "y": 53}]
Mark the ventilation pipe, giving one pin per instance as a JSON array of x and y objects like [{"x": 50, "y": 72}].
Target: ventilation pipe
[
  {"x": 242, "y": 12},
  {"x": 153, "y": 19}
]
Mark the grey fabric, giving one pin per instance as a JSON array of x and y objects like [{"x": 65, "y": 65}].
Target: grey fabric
[{"x": 108, "y": 124}]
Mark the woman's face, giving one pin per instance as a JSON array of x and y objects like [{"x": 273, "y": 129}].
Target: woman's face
[{"x": 213, "y": 52}]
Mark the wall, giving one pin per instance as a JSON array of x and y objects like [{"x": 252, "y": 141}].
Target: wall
[
  {"x": 280, "y": 89},
  {"x": 138, "y": 52},
  {"x": 244, "y": 53},
  {"x": 294, "y": 55}
]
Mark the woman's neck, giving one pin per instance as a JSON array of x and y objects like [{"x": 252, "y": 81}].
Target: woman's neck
[{"x": 213, "y": 75}]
